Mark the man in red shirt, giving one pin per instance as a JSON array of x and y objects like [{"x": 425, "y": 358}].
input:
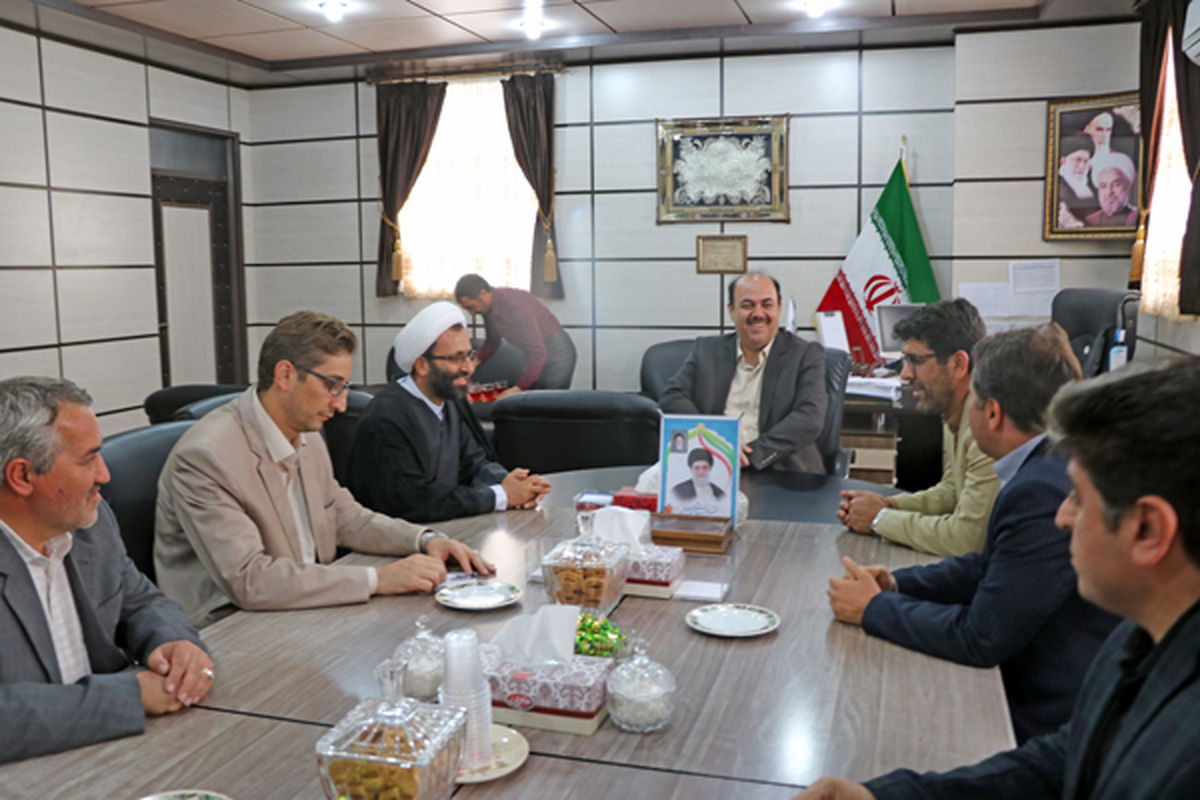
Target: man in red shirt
[{"x": 520, "y": 318}]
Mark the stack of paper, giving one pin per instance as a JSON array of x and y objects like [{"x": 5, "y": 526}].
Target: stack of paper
[{"x": 880, "y": 388}]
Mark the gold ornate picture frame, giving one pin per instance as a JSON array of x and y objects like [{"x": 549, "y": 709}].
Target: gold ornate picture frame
[
  {"x": 729, "y": 168},
  {"x": 1093, "y": 167}
]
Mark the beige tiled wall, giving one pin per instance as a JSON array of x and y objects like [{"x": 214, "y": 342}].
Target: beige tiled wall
[{"x": 77, "y": 287}]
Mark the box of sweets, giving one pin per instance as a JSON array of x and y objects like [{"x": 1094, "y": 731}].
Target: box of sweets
[
  {"x": 656, "y": 565},
  {"x": 568, "y": 698}
]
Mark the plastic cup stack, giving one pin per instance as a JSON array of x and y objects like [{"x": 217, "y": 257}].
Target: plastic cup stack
[{"x": 464, "y": 686}]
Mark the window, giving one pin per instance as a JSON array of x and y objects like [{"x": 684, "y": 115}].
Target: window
[
  {"x": 1169, "y": 205},
  {"x": 472, "y": 209}
]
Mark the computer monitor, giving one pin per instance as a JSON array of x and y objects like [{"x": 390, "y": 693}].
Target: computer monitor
[{"x": 886, "y": 318}]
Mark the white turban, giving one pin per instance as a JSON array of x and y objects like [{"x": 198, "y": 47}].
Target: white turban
[
  {"x": 423, "y": 330},
  {"x": 1117, "y": 160}
]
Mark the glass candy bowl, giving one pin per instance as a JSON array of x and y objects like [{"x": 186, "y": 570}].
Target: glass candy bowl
[
  {"x": 393, "y": 749},
  {"x": 641, "y": 693},
  {"x": 425, "y": 654}
]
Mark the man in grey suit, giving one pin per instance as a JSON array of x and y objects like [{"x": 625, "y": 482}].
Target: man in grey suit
[
  {"x": 249, "y": 514},
  {"x": 74, "y": 610},
  {"x": 771, "y": 380}
]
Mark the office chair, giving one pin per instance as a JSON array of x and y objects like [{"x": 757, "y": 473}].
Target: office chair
[
  {"x": 198, "y": 408},
  {"x": 837, "y": 371},
  {"x": 1091, "y": 318},
  {"x": 134, "y": 459},
  {"x": 339, "y": 431},
  {"x": 161, "y": 404},
  {"x": 660, "y": 362},
  {"x": 560, "y": 429}
]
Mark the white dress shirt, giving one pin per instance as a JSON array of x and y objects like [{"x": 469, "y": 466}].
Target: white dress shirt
[
  {"x": 49, "y": 576},
  {"x": 745, "y": 391}
]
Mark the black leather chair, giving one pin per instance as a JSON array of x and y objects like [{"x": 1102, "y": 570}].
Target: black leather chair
[
  {"x": 837, "y": 372},
  {"x": 660, "y": 362},
  {"x": 161, "y": 404},
  {"x": 339, "y": 431},
  {"x": 134, "y": 459},
  {"x": 560, "y": 429},
  {"x": 1091, "y": 318},
  {"x": 197, "y": 409}
]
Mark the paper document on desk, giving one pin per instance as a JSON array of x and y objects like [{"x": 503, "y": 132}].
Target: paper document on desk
[{"x": 880, "y": 388}]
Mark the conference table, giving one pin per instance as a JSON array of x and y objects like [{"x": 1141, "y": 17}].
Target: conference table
[{"x": 757, "y": 717}]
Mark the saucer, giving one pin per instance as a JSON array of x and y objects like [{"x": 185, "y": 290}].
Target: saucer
[
  {"x": 732, "y": 619},
  {"x": 478, "y": 596},
  {"x": 509, "y": 751}
]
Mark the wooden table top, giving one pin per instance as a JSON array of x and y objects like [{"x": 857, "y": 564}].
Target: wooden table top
[
  {"x": 247, "y": 758},
  {"x": 812, "y": 698}
]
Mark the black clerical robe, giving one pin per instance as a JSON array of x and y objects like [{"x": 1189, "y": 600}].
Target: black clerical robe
[{"x": 407, "y": 463}]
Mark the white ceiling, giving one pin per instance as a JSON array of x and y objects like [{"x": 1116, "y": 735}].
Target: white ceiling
[{"x": 290, "y": 36}]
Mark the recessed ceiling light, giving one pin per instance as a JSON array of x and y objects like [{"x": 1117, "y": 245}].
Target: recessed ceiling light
[
  {"x": 815, "y": 8},
  {"x": 333, "y": 10}
]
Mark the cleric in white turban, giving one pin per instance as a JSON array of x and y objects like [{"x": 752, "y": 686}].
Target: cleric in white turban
[
  {"x": 1114, "y": 176},
  {"x": 424, "y": 329},
  {"x": 419, "y": 453}
]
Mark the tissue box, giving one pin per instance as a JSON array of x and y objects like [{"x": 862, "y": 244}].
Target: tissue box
[
  {"x": 566, "y": 698},
  {"x": 590, "y": 501},
  {"x": 587, "y": 573},
  {"x": 631, "y": 498},
  {"x": 655, "y": 571}
]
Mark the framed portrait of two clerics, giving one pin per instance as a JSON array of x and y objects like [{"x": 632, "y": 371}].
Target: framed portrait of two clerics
[{"x": 1093, "y": 167}]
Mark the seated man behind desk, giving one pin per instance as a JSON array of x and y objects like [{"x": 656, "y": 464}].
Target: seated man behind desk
[
  {"x": 771, "y": 380},
  {"x": 249, "y": 514},
  {"x": 415, "y": 455},
  {"x": 948, "y": 519},
  {"x": 1015, "y": 605},
  {"x": 1132, "y": 438},
  {"x": 75, "y": 614},
  {"x": 518, "y": 317}
]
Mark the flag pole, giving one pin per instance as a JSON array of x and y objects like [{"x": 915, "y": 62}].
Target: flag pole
[{"x": 904, "y": 155}]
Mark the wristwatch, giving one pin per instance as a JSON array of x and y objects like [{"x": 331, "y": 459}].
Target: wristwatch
[
  {"x": 878, "y": 516},
  {"x": 427, "y": 537}
]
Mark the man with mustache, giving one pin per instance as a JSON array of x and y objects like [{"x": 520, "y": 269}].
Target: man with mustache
[
  {"x": 949, "y": 519},
  {"x": 76, "y": 616},
  {"x": 771, "y": 380},
  {"x": 415, "y": 451},
  {"x": 249, "y": 514}
]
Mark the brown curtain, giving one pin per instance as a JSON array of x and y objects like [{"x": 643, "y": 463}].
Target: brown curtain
[
  {"x": 529, "y": 104},
  {"x": 407, "y": 116},
  {"x": 1162, "y": 19}
]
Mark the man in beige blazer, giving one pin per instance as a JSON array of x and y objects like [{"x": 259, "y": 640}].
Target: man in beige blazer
[{"x": 249, "y": 514}]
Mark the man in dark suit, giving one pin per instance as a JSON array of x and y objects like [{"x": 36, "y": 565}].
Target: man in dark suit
[
  {"x": 771, "y": 380},
  {"x": 1015, "y": 604},
  {"x": 74, "y": 610},
  {"x": 1132, "y": 438}
]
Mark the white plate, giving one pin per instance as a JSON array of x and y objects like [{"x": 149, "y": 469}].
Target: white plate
[
  {"x": 479, "y": 596},
  {"x": 509, "y": 751},
  {"x": 187, "y": 794},
  {"x": 732, "y": 619}
]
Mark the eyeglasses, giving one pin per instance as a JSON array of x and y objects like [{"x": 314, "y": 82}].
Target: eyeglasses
[
  {"x": 458, "y": 359},
  {"x": 916, "y": 359},
  {"x": 334, "y": 386}
]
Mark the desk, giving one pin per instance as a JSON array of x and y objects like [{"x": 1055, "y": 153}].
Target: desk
[
  {"x": 247, "y": 758},
  {"x": 782, "y": 496},
  {"x": 893, "y": 442},
  {"x": 814, "y": 697}
]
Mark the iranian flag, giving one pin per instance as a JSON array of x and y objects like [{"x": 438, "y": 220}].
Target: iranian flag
[{"x": 887, "y": 265}]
